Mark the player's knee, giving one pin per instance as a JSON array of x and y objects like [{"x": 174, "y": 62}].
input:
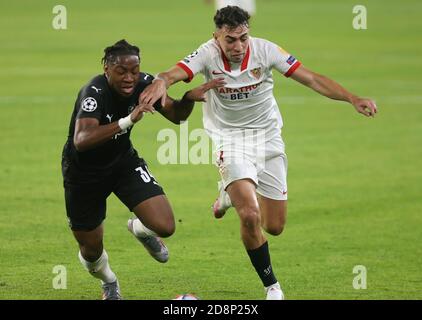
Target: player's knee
[
  {"x": 250, "y": 217},
  {"x": 91, "y": 253},
  {"x": 275, "y": 230},
  {"x": 275, "y": 226},
  {"x": 167, "y": 229},
  {"x": 167, "y": 232},
  {"x": 91, "y": 247}
]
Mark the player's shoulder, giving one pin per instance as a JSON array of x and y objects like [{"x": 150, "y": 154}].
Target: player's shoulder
[
  {"x": 145, "y": 79},
  {"x": 203, "y": 53},
  {"x": 96, "y": 86},
  {"x": 211, "y": 44},
  {"x": 90, "y": 97},
  {"x": 210, "y": 47},
  {"x": 261, "y": 44},
  {"x": 265, "y": 50}
]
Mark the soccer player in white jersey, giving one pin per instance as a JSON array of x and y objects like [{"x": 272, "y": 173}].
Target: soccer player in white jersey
[{"x": 253, "y": 173}]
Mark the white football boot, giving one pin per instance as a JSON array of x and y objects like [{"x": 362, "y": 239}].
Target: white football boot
[
  {"x": 154, "y": 245},
  {"x": 222, "y": 203},
  {"x": 111, "y": 291},
  {"x": 274, "y": 292}
]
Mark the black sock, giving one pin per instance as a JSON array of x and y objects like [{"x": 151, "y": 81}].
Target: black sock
[{"x": 260, "y": 258}]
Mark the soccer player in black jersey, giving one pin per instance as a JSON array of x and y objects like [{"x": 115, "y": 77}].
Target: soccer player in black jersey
[{"x": 98, "y": 159}]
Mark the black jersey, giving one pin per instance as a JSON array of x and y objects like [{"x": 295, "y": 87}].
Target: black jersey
[{"x": 98, "y": 100}]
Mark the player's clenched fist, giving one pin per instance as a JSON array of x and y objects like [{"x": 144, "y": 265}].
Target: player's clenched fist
[{"x": 365, "y": 106}]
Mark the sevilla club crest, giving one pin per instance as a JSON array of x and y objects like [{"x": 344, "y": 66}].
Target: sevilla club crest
[{"x": 256, "y": 73}]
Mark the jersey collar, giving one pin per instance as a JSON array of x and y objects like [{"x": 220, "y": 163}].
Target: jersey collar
[{"x": 244, "y": 64}]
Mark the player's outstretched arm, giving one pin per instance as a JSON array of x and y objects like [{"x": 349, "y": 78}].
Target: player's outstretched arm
[
  {"x": 333, "y": 90},
  {"x": 158, "y": 88},
  {"x": 179, "y": 110},
  {"x": 89, "y": 133}
]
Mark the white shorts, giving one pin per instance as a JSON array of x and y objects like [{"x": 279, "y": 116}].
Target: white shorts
[{"x": 266, "y": 168}]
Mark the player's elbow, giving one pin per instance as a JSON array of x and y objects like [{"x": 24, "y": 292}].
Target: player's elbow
[
  {"x": 79, "y": 143},
  {"x": 171, "y": 115},
  {"x": 173, "y": 120},
  {"x": 177, "y": 121},
  {"x": 78, "y": 146},
  {"x": 180, "y": 120},
  {"x": 177, "y": 117}
]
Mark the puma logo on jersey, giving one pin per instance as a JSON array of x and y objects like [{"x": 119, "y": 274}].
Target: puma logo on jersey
[
  {"x": 109, "y": 116},
  {"x": 96, "y": 89},
  {"x": 146, "y": 76},
  {"x": 217, "y": 72}
]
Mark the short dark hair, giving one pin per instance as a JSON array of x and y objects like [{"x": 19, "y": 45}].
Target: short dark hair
[
  {"x": 231, "y": 16},
  {"x": 120, "y": 48}
]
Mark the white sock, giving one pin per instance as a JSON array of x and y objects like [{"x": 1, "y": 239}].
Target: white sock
[
  {"x": 99, "y": 269},
  {"x": 142, "y": 231}
]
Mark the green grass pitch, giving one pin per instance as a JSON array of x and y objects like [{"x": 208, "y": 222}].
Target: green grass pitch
[{"x": 355, "y": 184}]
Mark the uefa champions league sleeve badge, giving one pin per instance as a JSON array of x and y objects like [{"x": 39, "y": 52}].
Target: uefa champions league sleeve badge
[{"x": 89, "y": 104}]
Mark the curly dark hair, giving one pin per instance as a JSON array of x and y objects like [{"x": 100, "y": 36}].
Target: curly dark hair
[
  {"x": 120, "y": 48},
  {"x": 232, "y": 17}
]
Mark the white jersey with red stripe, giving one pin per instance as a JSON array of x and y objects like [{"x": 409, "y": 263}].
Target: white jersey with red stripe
[{"x": 247, "y": 100}]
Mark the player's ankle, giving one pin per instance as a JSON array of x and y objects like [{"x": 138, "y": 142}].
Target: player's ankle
[{"x": 274, "y": 285}]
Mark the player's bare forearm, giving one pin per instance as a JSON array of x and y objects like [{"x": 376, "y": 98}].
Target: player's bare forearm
[
  {"x": 168, "y": 77},
  {"x": 183, "y": 110},
  {"x": 158, "y": 88},
  {"x": 333, "y": 90},
  {"x": 173, "y": 75},
  {"x": 177, "y": 110},
  {"x": 89, "y": 134},
  {"x": 322, "y": 85}
]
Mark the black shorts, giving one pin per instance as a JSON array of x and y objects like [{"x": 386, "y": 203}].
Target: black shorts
[{"x": 130, "y": 181}]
